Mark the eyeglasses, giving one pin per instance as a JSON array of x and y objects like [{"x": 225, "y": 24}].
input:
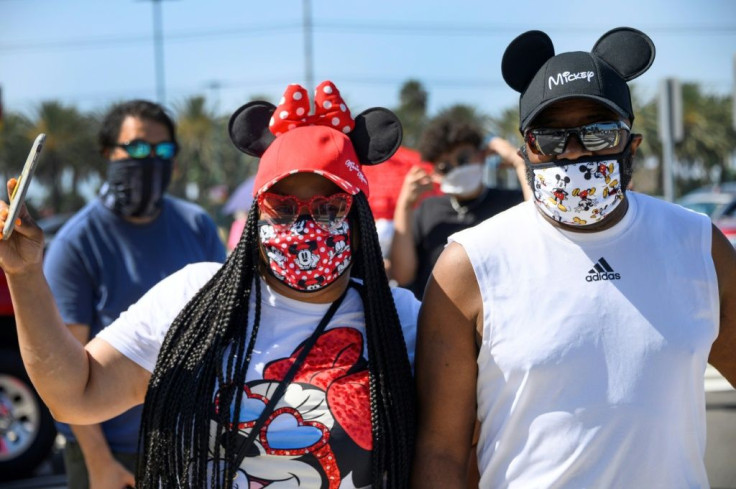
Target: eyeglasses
[
  {"x": 463, "y": 158},
  {"x": 328, "y": 212},
  {"x": 139, "y": 149},
  {"x": 594, "y": 137}
]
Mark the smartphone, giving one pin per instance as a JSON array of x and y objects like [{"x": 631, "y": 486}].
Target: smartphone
[{"x": 18, "y": 196}]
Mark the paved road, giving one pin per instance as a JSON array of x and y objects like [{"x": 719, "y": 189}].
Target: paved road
[{"x": 720, "y": 452}]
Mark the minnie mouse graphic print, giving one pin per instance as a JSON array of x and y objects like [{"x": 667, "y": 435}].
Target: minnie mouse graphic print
[
  {"x": 305, "y": 256},
  {"x": 324, "y": 412}
]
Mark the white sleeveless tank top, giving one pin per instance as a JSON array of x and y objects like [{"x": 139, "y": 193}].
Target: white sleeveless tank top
[{"x": 590, "y": 373}]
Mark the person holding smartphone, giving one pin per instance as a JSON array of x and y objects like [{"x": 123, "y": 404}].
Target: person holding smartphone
[
  {"x": 110, "y": 253},
  {"x": 290, "y": 365}
]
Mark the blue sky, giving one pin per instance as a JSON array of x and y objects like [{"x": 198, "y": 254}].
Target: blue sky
[{"x": 91, "y": 53}]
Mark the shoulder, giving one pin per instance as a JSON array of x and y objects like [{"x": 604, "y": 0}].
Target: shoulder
[
  {"x": 174, "y": 291},
  {"x": 189, "y": 212},
  {"x": 673, "y": 220},
  {"x": 181, "y": 206},
  {"x": 453, "y": 285},
  {"x": 511, "y": 216},
  {"x": 657, "y": 207},
  {"x": 139, "y": 332},
  {"x": 453, "y": 260},
  {"x": 193, "y": 276}
]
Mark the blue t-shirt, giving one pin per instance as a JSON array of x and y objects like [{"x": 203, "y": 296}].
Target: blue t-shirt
[{"x": 99, "y": 264}]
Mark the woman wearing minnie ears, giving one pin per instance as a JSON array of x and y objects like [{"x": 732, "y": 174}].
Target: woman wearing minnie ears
[{"x": 287, "y": 367}]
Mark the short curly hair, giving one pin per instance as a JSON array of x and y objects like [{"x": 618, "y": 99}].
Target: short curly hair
[{"x": 447, "y": 131}]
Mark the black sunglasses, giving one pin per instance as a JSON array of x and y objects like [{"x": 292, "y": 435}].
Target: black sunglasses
[
  {"x": 139, "y": 149},
  {"x": 594, "y": 137},
  {"x": 463, "y": 158}
]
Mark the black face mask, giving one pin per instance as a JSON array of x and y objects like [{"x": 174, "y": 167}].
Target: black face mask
[{"x": 135, "y": 187}]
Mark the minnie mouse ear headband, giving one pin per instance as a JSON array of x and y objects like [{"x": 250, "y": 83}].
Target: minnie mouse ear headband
[
  {"x": 530, "y": 66},
  {"x": 329, "y": 142}
]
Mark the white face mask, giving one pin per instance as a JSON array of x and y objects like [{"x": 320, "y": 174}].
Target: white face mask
[
  {"x": 463, "y": 181},
  {"x": 578, "y": 193}
]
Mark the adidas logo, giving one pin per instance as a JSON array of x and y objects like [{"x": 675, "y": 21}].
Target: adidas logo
[{"x": 602, "y": 271}]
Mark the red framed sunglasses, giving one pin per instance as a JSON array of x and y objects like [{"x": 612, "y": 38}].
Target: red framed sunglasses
[{"x": 328, "y": 212}]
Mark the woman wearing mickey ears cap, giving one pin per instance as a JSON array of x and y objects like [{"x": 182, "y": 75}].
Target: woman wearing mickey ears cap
[
  {"x": 576, "y": 327},
  {"x": 289, "y": 365}
]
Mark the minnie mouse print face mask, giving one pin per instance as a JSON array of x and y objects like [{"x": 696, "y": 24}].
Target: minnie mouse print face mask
[{"x": 305, "y": 256}]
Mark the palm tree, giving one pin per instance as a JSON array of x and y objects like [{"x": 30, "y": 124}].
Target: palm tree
[
  {"x": 412, "y": 111},
  {"x": 14, "y": 144},
  {"x": 207, "y": 160},
  {"x": 70, "y": 151},
  {"x": 196, "y": 162},
  {"x": 710, "y": 138},
  {"x": 507, "y": 125}
]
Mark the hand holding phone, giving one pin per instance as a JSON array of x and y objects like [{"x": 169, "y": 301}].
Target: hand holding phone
[{"x": 18, "y": 196}]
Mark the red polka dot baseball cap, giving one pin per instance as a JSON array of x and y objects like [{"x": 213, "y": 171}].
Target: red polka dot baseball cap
[
  {"x": 329, "y": 142},
  {"x": 530, "y": 66},
  {"x": 316, "y": 149}
]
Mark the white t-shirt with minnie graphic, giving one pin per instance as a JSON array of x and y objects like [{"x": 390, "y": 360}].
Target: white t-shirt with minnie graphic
[{"x": 319, "y": 435}]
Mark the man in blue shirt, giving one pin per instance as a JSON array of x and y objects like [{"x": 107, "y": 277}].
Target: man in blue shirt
[{"x": 110, "y": 253}]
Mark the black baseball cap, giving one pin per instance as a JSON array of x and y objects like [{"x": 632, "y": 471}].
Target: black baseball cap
[{"x": 530, "y": 67}]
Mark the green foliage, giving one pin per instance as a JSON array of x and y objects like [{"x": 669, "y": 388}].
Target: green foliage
[
  {"x": 69, "y": 155},
  {"x": 412, "y": 111},
  {"x": 209, "y": 168},
  {"x": 15, "y": 142},
  {"x": 507, "y": 126},
  {"x": 709, "y": 138}
]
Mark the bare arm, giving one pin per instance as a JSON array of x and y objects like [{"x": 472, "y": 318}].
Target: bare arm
[
  {"x": 723, "y": 352},
  {"x": 403, "y": 248},
  {"x": 103, "y": 470},
  {"x": 446, "y": 373},
  {"x": 79, "y": 385}
]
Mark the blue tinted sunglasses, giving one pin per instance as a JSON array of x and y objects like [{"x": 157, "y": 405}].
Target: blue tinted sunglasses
[{"x": 139, "y": 149}]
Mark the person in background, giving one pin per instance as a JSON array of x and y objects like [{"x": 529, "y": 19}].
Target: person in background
[
  {"x": 457, "y": 150},
  {"x": 238, "y": 205},
  {"x": 109, "y": 254},
  {"x": 236, "y": 230},
  {"x": 288, "y": 366},
  {"x": 386, "y": 181},
  {"x": 576, "y": 326}
]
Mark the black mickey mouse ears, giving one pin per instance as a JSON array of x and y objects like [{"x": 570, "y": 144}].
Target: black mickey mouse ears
[
  {"x": 376, "y": 136},
  {"x": 314, "y": 143},
  {"x": 529, "y": 66}
]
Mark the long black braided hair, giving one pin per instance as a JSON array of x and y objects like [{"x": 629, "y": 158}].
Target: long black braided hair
[{"x": 208, "y": 349}]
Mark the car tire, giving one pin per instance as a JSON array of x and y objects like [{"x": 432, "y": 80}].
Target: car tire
[{"x": 27, "y": 430}]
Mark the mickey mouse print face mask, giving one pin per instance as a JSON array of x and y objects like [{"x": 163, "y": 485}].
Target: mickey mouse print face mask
[
  {"x": 304, "y": 256},
  {"x": 580, "y": 192}
]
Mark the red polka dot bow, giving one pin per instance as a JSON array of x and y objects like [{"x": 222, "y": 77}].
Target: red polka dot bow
[{"x": 293, "y": 109}]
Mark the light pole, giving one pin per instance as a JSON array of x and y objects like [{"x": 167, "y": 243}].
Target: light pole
[
  {"x": 307, "y": 22},
  {"x": 158, "y": 52},
  {"x": 670, "y": 131},
  {"x": 158, "y": 42}
]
